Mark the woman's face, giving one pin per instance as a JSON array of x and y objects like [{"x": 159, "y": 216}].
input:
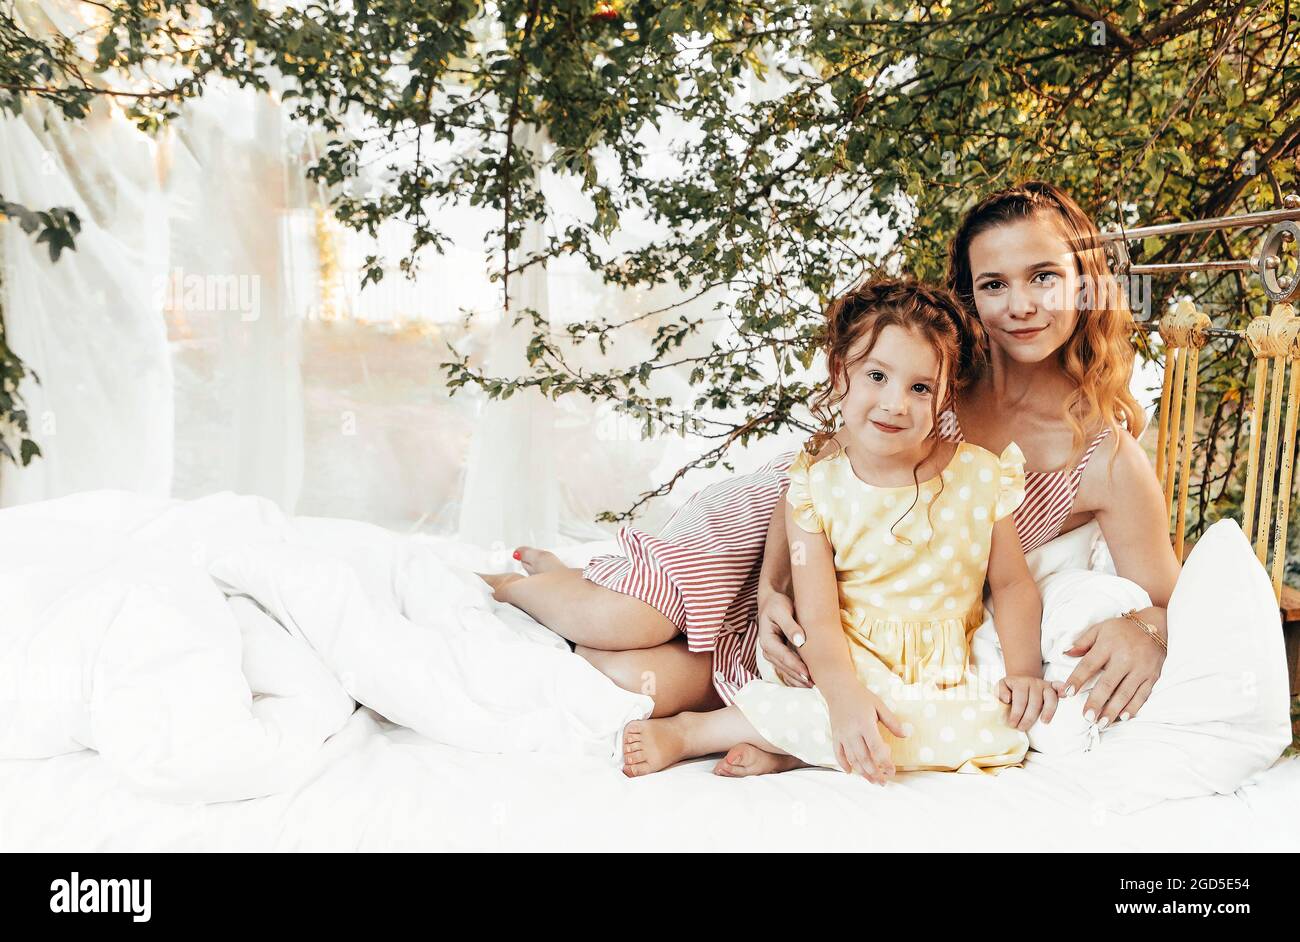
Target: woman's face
[{"x": 1025, "y": 283}]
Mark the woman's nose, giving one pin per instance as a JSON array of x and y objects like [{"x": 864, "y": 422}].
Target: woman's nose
[{"x": 1020, "y": 303}]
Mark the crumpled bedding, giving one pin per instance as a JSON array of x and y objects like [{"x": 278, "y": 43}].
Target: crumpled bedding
[
  {"x": 208, "y": 649},
  {"x": 215, "y": 650}
]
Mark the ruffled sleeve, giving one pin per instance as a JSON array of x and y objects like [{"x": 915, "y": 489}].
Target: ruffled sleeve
[
  {"x": 1011, "y": 481},
  {"x": 799, "y": 495}
]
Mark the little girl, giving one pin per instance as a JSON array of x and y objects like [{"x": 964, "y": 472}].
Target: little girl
[{"x": 892, "y": 532}]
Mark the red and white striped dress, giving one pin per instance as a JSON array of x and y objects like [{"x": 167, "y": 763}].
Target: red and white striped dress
[
  {"x": 1049, "y": 495},
  {"x": 701, "y": 571}
]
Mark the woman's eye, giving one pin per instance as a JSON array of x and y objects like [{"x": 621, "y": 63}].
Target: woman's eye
[
  {"x": 1047, "y": 276},
  {"x": 991, "y": 286}
]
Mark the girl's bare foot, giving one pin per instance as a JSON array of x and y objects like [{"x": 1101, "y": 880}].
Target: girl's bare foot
[
  {"x": 746, "y": 759},
  {"x": 651, "y": 745},
  {"x": 537, "y": 560}
]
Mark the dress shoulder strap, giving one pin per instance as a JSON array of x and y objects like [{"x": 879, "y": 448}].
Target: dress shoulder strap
[
  {"x": 949, "y": 429},
  {"x": 1083, "y": 462}
]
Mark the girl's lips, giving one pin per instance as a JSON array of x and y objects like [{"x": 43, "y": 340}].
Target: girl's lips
[
  {"x": 885, "y": 428},
  {"x": 1026, "y": 334}
]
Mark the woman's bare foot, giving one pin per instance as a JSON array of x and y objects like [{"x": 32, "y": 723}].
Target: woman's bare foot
[
  {"x": 652, "y": 745},
  {"x": 537, "y": 560},
  {"x": 746, "y": 759},
  {"x": 532, "y": 559},
  {"x": 498, "y": 579}
]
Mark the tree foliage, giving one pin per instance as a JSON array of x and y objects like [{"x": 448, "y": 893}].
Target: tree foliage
[
  {"x": 888, "y": 115},
  {"x": 56, "y": 229}
]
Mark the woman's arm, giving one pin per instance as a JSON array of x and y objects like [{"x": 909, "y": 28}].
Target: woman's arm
[
  {"x": 774, "y": 577},
  {"x": 777, "y": 627},
  {"x": 1133, "y": 521},
  {"x": 1135, "y": 525}
]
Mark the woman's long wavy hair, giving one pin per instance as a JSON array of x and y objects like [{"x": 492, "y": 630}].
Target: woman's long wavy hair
[
  {"x": 1098, "y": 357},
  {"x": 854, "y": 321}
]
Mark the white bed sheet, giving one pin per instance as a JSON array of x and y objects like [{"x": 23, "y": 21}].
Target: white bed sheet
[
  {"x": 382, "y": 787},
  {"x": 387, "y": 788}
]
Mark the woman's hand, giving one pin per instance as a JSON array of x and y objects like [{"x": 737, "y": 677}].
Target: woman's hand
[
  {"x": 1029, "y": 698},
  {"x": 856, "y": 715},
  {"x": 777, "y": 631},
  {"x": 1126, "y": 662}
]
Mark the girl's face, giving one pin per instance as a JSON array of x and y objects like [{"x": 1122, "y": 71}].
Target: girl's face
[
  {"x": 1025, "y": 283},
  {"x": 892, "y": 392}
]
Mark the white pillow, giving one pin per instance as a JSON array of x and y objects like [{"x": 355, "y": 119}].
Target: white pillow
[
  {"x": 1073, "y": 550},
  {"x": 1219, "y": 714}
]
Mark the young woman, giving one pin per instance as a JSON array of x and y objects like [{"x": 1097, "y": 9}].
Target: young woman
[{"x": 1028, "y": 263}]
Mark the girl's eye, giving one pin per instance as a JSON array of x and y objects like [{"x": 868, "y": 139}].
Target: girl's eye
[
  {"x": 991, "y": 286},
  {"x": 875, "y": 376},
  {"x": 1047, "y": 276},
  {"x": 921, "y": 388}
]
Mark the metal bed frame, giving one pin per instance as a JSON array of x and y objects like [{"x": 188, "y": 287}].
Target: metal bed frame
[{"x": 1274, "y": 340}]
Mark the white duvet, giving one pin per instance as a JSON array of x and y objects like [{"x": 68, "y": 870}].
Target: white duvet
[
  {"x": 138, "y": 628},
  {"x": 209, "y": 649}
]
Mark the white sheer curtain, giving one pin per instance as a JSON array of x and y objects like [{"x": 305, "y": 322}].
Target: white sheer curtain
[
  {"x": 236, "y": 218},
  {"x": 89, "y": 324},
  {"x": 190, "y": 234},
  {"x": 511, "y": 492}
]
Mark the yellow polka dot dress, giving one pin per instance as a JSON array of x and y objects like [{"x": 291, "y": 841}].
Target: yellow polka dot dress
[{"x": 909, "y": 601}]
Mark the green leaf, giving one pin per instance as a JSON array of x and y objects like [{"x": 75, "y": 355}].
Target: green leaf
[{"x": 57, "y": 240}]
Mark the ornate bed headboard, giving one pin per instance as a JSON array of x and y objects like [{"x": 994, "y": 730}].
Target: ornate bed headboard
[{"x": 1274, "y": 340}]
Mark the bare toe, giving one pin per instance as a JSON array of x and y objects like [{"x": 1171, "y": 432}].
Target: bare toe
[
  {"x": 536, "y": 560},
  {"x": 651, "y": 745},
  {"x": 745, "y": 759},
  {"x": 735, "y": 761}
]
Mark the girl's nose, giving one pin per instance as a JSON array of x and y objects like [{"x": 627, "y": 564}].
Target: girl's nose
[{"x": 894, "y": 404}]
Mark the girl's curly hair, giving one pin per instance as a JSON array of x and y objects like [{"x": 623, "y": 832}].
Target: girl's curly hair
[
  {"x": 854, "y": 321},
  {"x": 863, "y": 312}
]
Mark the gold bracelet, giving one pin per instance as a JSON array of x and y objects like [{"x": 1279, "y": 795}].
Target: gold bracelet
[{"x": 1132, "y": 615}]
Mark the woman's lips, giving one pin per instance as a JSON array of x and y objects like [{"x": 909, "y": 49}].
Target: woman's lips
[
  {"x": 1027, "y": 334},
  {"x": 885, "y": 428}
]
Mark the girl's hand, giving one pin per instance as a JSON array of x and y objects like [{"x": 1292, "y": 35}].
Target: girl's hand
[
  {"x": 1127, "y": 664},
  {"x": 776, "y": 624},
  {"x": 856, "y": 715},
  {"x": 1029, "y": 698}
]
